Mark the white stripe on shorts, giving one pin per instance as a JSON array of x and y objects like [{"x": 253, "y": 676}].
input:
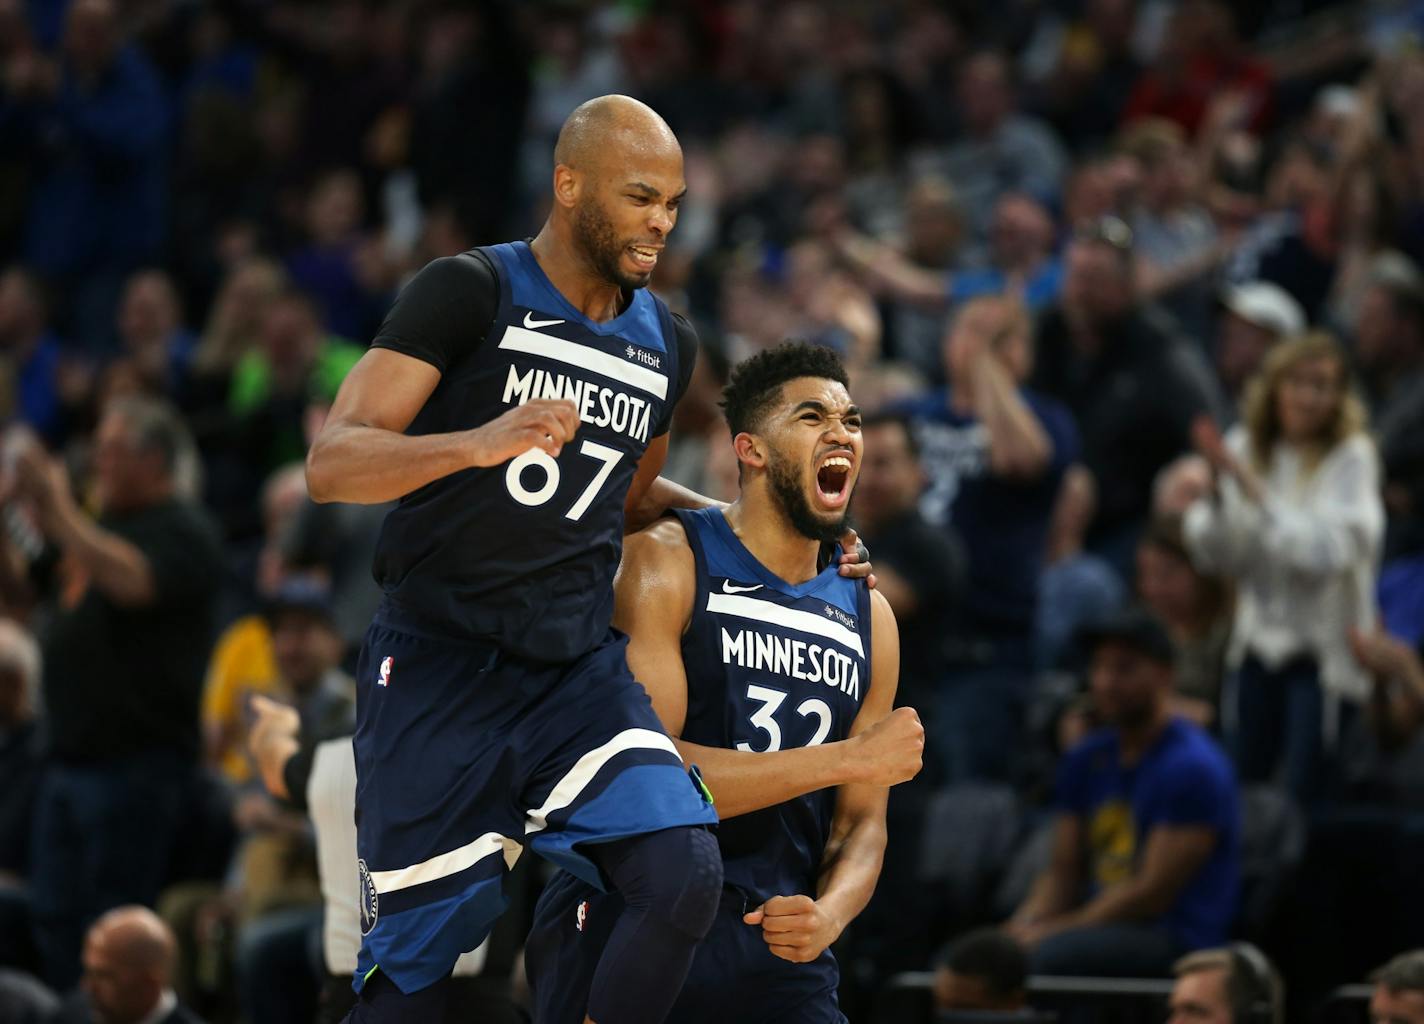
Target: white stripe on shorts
[
  {"x": 582, "y": 773},
  {"x": 446, "y": 864}
]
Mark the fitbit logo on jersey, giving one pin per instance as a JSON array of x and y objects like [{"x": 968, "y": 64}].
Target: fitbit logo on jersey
[
  {"x": 646, "y": 358},
  {"x": 602, "y": 407}
]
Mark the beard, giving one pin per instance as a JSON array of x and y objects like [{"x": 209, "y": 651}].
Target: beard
[
  {"x": 791, "y": 496},
  {"x": 594, "y": 234}
]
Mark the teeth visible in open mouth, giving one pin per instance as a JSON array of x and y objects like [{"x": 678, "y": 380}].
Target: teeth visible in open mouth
[
  {"x": 836, "y": 460},
  {"x": 643, "y": 254}
]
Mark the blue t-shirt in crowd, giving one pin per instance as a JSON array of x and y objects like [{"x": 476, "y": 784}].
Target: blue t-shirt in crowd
[
  {"x": 1039, "y": 290},
  {"x": 1183, "y": 779},
  {"x": 1003, "y": 523}
]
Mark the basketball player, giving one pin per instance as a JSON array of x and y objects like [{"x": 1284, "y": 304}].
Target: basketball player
[
  {"x": 778, "y": 681},
  {"x": 517, "y": 401}
]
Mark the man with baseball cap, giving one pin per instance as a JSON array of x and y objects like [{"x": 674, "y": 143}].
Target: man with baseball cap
[
  {"x": 1147, "y": 825},
  {"x": 1254, "y": 316}
]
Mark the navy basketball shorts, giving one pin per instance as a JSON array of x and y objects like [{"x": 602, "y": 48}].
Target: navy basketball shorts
[
  {"x": 465, "y": 757},
  {"x": 734, "y": 974}
]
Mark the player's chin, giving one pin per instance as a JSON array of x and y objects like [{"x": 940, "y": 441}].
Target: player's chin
[{"x": 635, "y": 273}]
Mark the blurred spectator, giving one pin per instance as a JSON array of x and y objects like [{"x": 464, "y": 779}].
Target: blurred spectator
[
  {"x": 830, "y": 307},
  {"x": 1086, "y": 89},
  {"x": 994, "y": 453},
  {"x": 242, "y": 662},
  {"x": 128, "y": 973},
  {"x": 21, "y": 766},
  {"x": 1076, "y": 586},
  {"x": 1123, "y": 371},
  {"x": 32, "y": 353},
  {"x": 1383, "y": 758},
  {"x": 151, "y": 332},
  {"x": 296, "y": 365},
  {"x": 91, "y": 125},
  {"x": 1147, "y": 826},
  {"x": 124, "y": 647},
  {"x": 920, "y": 568},
  {"x": 1254, "y": 317},
  {"x": 1202, "y": 57},
  {"x": 1022, "y": 265},
  {"x": 339, "y": 269},
  {"x": 233, "y": 328},
  {"x": 1235, "y": 984},
  {"x": 1196, "y": 610},
  {"x": 984, "y": 970},
  {"x": 278, "y": 895},
  {"x": 1295, "y": 520},
  {"x": 1000, "y": 150},
  {"x": 1398, "y": 996},
  {"x": 1177, "y": 245},
  {"x": 1389, "y": 346}
]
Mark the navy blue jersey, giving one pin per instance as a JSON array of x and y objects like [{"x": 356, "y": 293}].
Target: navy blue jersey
[
  {"x": 771, "y": 665},
  {"x": 524, "y": 553}
]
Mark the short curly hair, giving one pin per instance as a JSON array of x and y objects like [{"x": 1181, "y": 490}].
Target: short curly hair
[{"x": 756, "y": 383}]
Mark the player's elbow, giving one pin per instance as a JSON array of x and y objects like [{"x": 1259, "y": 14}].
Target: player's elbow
[{"x": 321, "y": 479}]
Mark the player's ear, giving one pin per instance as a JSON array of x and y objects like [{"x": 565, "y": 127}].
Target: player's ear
[
  {"x": 566, "y": 185},
  {"x": 750, "y": 449}
]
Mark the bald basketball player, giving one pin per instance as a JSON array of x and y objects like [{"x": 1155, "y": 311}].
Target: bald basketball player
[{"x": 517, "y": 401}]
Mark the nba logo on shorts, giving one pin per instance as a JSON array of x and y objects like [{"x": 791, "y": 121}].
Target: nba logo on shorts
[
  {"x": 582, "y": 915},
  {"x": 387, "y": 663}
]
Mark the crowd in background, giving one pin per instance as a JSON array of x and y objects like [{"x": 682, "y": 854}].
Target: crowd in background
[{"x": 1131, "y": 291}]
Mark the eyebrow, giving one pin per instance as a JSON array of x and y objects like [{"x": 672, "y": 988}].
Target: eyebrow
[
  {"x": 648, "y": 190},
  {"x": 820, "y": 407}
]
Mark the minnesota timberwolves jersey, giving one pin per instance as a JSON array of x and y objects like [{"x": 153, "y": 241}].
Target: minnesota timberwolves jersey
[
  {"x": 771, "y": 665},
  {"x": 524, "y": 553}
]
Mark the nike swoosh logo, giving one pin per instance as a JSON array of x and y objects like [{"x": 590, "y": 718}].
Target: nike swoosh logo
[
  {"x": 727, "y": 588},
  {"x": 531, "y": 323}
]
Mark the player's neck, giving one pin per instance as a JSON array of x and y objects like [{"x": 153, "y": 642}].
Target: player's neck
[
  {"x": 593, "y": 296},
  {"x": 765, "y": 531}
]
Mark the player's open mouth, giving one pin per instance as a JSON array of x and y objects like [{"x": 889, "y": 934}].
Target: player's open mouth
[
  {"x": 833, "y": 479},
  {"x": 645, "y": 256}
]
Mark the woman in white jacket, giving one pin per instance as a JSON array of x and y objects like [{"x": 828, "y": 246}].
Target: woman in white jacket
[{"x": 1295, "y": 517}]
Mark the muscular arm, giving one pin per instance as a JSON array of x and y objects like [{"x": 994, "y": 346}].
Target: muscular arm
[
  {"x": 363, "y": 456},
  {"x": 653, "y": 595}
]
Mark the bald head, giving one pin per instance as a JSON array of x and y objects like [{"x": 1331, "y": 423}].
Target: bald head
[
  {"x": 135, "y": 939},
  {"x": 617, "y": 186},
  {"x": 607, "y": 130}
]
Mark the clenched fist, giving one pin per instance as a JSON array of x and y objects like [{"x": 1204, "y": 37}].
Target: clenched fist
[
  {"x": 546, "y": 423},
  {"x": 890, "y": 751},
  {"x": 797, "y": 928}
]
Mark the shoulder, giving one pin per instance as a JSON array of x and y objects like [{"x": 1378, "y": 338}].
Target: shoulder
[
  {"x": 882, "y": 617},
  {"x": 1357, "y": 449},
  {"x": 682, "y": 327},
  {"x": 660, "y": 553},
  {"x": 468, "y": 270},
  {"x": 1193, "y": 758}
]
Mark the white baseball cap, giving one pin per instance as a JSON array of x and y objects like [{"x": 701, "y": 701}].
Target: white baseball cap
[{"x": 1265, "y": 305}]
